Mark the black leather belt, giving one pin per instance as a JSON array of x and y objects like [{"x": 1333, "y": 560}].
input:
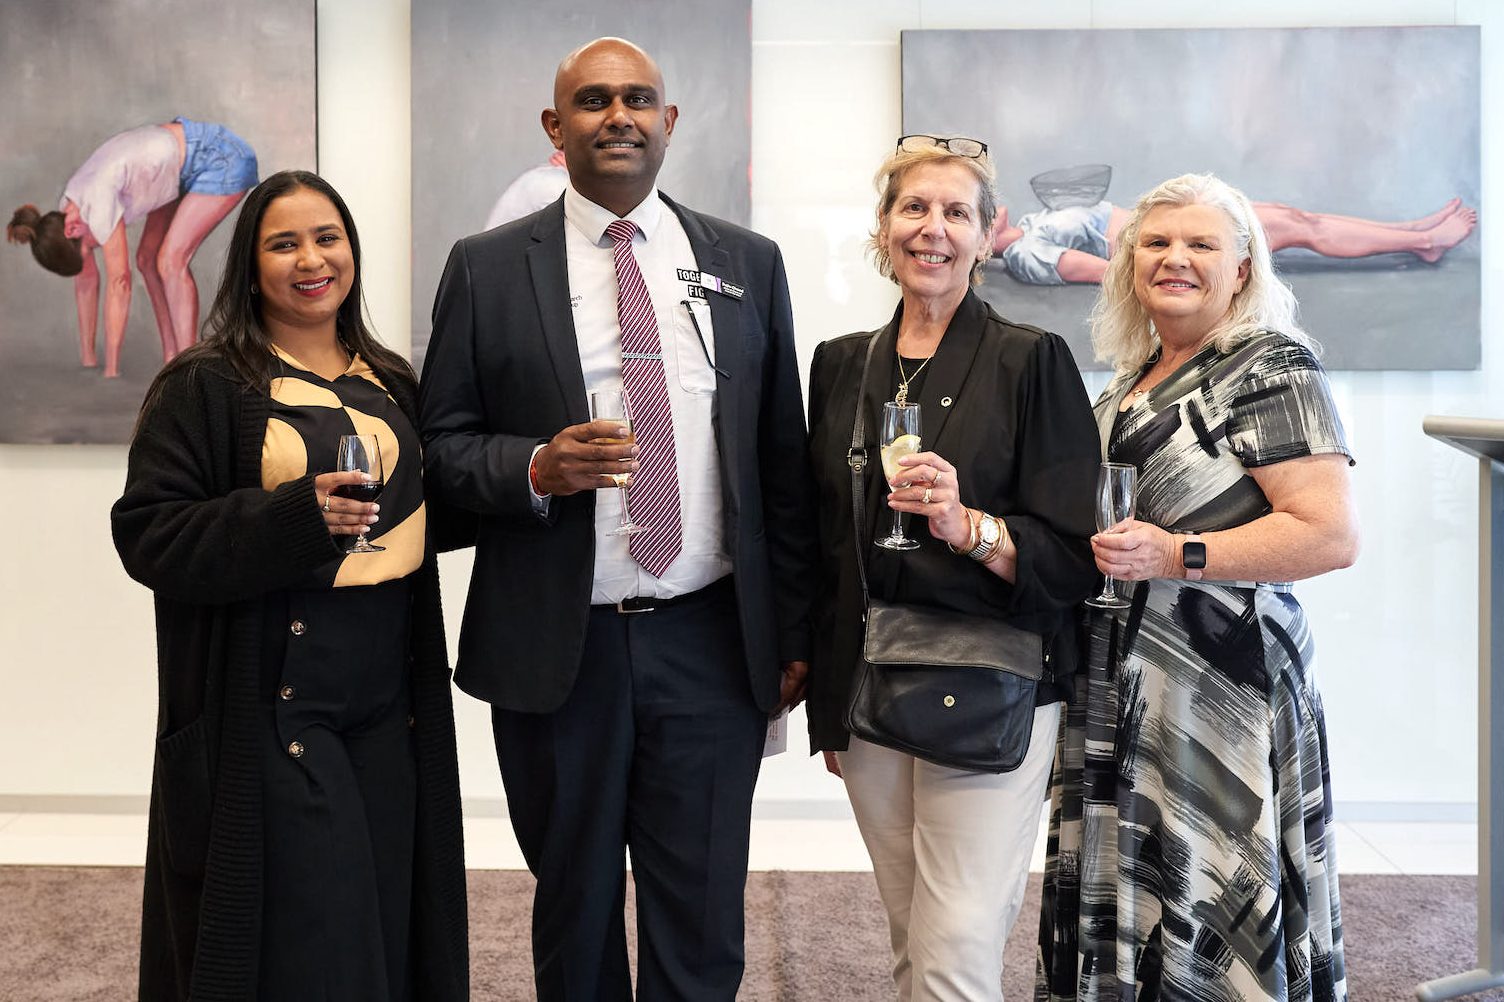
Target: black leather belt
[{"x": 645, "y": 604}]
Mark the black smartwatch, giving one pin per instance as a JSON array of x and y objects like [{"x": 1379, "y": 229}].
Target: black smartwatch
[{"x": 1193, "y": 556}]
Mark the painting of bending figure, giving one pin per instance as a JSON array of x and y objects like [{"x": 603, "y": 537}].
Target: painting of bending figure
[
  {"x": 136, "y": 131},
  {"x": 182, "y": 177}
]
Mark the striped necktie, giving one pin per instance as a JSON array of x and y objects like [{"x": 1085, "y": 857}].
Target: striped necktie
[{"x": 654, "y": 497}]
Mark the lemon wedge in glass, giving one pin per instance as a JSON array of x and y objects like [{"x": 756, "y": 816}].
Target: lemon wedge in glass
[{"x": 903, "y": 445}]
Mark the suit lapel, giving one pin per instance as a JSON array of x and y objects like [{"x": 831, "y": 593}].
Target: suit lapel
[
  {"x": 711, "y": 257},
  {"x": 878, "y": 392},
  {"x": 948, "y": 371},
  {"x": 548, "y": 267},
  {"x": 944, "y": 380}
]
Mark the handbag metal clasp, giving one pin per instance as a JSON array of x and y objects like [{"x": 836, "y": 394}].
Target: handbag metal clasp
[{"x": 856, "y": 459}]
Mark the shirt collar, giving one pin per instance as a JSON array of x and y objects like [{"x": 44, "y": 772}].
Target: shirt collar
[
  {"x": 592, "y": 219},
  {"x": 356, "y": 367}
]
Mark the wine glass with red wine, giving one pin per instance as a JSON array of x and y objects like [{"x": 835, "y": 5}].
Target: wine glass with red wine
[{"x": 363, "y": 453}]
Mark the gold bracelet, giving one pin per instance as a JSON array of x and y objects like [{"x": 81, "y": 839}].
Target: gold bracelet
[{"x": 971, "y": 538}]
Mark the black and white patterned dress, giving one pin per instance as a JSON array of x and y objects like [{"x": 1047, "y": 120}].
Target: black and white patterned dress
[{"x": 1190, "y": 851}]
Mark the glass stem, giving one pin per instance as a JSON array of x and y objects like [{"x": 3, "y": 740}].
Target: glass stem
[{"x": 898, "y": 525}]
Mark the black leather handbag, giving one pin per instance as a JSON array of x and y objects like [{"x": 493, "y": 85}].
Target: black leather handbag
[{"x": 951, "y": 688}]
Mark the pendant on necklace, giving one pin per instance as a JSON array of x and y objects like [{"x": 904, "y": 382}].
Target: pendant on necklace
[{"x": 901, "y": 398}]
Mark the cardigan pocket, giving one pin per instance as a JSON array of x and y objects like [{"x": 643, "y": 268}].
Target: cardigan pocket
[{"x": 181, "y": 777}]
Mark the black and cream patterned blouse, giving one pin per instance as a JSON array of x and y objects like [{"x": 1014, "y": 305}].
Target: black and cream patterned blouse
[{"x": 308, "y": 416}]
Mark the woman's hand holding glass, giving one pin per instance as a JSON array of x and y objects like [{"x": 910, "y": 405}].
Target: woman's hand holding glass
[
  {"x": 927, "y": 486},
  {"x": 1136, "y": 551},
  {"x": 344, "y": 516}
]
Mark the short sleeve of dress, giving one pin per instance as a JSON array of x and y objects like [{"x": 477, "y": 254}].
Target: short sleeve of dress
[{"x": 1282, "y": 409}]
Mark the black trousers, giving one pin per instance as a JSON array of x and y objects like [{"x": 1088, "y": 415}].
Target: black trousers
[
  {"x": 340, "y": 797},
  {"x": 656, "y": 750}
]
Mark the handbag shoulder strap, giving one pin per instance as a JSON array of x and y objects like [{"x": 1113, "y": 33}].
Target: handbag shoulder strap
[{"x": 857, "y": 459}]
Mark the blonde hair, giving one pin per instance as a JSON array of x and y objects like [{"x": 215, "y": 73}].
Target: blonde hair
[
  {"x": 890, "y": 176},
  {"x": 1122, "y": 333}
]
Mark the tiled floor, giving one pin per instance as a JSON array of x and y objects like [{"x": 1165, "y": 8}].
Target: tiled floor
[{"x": 120, "y": 840}]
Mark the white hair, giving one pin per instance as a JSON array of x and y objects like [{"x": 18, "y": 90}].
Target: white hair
[{"x": 1122, "y": 333}]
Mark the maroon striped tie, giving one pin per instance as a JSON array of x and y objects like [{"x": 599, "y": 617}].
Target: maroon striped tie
[{"x": 654, "y": 497}]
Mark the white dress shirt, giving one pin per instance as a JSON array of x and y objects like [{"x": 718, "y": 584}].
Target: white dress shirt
[{"x": 661, "y": 249}]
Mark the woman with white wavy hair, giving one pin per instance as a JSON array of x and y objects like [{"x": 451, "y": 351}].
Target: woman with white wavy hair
[{"x": 1191, "y": 832}]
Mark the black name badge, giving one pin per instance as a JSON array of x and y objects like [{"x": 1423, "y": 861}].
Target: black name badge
[{"x": 701, "y": 281}]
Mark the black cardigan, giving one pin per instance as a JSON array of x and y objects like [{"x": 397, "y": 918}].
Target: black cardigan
[
  {"x": 1004, "y": 403},
  {"x": 195, "y": 526}
]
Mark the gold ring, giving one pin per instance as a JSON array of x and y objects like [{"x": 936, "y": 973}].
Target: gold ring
[
  {"x": 326, "y": 501},
  {"x": 927, "y": 497}
]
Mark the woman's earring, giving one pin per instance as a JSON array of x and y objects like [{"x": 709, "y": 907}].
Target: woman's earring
[{"x": 255, "y": 289}]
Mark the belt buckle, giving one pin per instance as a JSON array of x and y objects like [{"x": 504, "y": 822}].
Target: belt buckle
[{"x": 623, "y": 609}]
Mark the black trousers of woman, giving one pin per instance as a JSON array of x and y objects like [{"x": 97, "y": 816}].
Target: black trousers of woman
[{"x": 340, "y": 797}]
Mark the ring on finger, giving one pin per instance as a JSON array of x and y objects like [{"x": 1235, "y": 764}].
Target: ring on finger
[
  {"x": 927, "y": 493},
  {"x": 326, "y": 501}
]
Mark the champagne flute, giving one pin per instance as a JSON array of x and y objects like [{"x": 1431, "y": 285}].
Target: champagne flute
[
  {"x": 1117, "y": 487},
  {"x": 363, "y": 453},
  {"x": 612, "y": 405},
  {"x": 900, "y": 438}
]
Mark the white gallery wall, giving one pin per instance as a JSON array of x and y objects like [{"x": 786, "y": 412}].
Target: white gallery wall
[{"x": 1396, "y": 633}]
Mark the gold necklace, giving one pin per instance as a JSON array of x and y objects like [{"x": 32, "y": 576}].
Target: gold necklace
[{"x": 901, "y": 398}]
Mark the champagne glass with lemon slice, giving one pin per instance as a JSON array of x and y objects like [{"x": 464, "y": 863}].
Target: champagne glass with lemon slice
[{"x": 900, "y": 438}]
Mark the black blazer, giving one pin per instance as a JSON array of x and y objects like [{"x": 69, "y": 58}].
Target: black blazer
[
  {"x": 503, "y": 374},
  {"x": 1005, "y": 404}
]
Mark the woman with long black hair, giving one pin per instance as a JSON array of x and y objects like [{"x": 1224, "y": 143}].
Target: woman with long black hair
[{"x": 305, "y": 823}]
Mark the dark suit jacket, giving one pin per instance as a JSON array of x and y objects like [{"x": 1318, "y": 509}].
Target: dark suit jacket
[
  {"x": 1005, "y": 405},
  {"x": 503, "y": 374}
]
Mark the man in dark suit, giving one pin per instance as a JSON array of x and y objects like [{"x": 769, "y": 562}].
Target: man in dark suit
[{"x": 631, "y": 676}]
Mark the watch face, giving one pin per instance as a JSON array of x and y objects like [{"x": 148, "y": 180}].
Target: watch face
[
  {"x": 990, "y": 532},
  {"x": 1193, "y": 555}
]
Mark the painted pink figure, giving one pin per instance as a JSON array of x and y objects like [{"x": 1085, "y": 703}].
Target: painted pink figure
[
  {"x": 1059, "y": 246},
  {"x": 182, "y": 177}
]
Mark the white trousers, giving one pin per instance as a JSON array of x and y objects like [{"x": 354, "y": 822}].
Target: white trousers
[{"x": 950, "y": 851}]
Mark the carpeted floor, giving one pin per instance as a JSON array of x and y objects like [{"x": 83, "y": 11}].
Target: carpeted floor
[{"x": 70, "y": 933}]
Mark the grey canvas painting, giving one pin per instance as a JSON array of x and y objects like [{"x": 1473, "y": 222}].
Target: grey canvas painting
[
  {"x": 483, "y": 71},
  {"x": 133, "y": 132},
  {"x": 1359, "y": 146}
]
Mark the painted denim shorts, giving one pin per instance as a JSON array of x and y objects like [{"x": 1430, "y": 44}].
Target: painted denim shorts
[{"x": 217, "y": 162}]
